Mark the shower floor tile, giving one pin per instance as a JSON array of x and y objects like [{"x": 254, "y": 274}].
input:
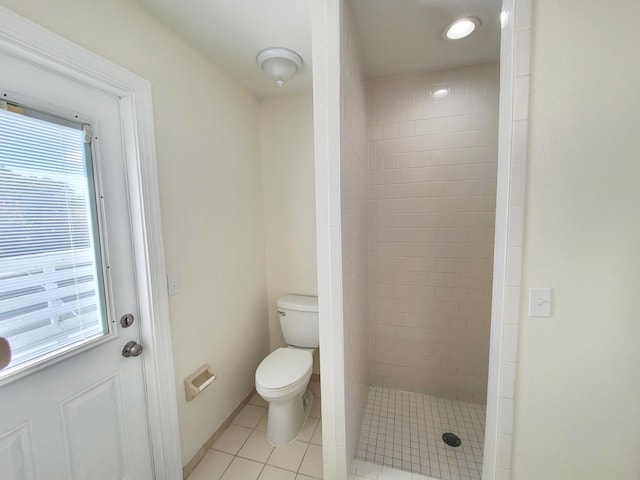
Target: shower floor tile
[{"x": 404, "y": 430}]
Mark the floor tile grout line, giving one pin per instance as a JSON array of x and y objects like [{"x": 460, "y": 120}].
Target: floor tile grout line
[
  {"x": 461, "y": 416},
  {"x": 264, "y": 464}
]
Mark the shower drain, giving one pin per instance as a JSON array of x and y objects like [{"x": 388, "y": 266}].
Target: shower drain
[{"x": 451, "y": 439}]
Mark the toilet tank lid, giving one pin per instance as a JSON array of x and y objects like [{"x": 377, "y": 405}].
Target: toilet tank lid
[{"x": 302, "y": 303}]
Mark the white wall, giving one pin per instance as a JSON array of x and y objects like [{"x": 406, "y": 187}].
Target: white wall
[
  {"x": 207, "y": 131},
  {"x": 286, "y": 130},
  {"x": 354, "y": 191},
  {"x": 433, "y": 164},
  {"x": 577, "y": 391}
]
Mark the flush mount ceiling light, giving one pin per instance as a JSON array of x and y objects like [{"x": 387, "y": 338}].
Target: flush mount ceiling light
[
  {"x": 280, "y": 64},
  {"x": 463, "y": 27}
]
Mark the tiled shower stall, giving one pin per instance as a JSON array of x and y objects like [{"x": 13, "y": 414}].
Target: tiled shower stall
[
  {"x": 432, "y": 163},
  {"x": 432, "y": 197},
  {"x": 418, "y": 184},
  {"x": 437, "y": 199}
]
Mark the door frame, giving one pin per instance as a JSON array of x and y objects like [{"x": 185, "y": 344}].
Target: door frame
[{"x": 27, "y": 40}]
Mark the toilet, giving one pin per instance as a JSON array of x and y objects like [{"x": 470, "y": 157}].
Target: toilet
[{"x": 283, "y": 376}]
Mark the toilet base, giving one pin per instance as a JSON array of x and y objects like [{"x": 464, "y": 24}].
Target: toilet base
[{"x": 285, "y": 420}]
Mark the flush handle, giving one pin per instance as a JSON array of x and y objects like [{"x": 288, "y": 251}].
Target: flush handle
[{"x": 282, "y": 314}]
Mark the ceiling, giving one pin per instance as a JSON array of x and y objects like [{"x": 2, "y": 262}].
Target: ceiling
[
  {"x": 232, "y": 32},
  {"x": 396, "y": 36},
  {"x": 405, "y": 36}
]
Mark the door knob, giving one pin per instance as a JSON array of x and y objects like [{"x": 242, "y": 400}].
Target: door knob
[
  {"x": 131, "y": 349},
  {"x": 5, "y": 352}
]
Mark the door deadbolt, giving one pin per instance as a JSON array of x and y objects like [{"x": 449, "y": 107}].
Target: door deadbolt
[
  {"x": 131, "y": 349},
  {"x": 126, "y": 320}
]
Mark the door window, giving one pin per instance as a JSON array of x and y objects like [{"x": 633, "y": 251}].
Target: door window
[{"x": 51, "y": 280}]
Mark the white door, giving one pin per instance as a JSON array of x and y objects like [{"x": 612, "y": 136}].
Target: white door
[{"x": 76, "y": 407}]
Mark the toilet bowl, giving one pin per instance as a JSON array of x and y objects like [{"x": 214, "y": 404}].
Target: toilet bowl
[
  {"x": 281, "y": 380},
  {"x": 282, "y": 377}
]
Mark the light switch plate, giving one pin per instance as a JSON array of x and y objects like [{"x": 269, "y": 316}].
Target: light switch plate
[
  {"x": 173, "y": 283},
  {"x": 539, "y": 302}
]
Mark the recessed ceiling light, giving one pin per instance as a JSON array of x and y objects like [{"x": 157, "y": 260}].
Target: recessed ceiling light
[
  {"x": 463, "y": 27},
  {"x": 440, "y": 93}
]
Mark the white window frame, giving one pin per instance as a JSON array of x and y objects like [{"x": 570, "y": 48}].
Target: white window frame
[
  {"x": 26, "y": 40},
  {"x": 99, "y": 251}
]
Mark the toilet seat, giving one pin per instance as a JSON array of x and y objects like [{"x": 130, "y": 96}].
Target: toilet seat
[{"x": 284, "y": 368}]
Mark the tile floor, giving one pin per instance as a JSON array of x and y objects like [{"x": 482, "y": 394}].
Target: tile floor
[
  {"x": 370, "y": 471},
  {"x": 243, "y": 453},
  {"x": 404, "y": 430}
]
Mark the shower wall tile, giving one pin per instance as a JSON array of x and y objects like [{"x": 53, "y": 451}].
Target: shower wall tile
[
  {"x": 516, "y": 69},
  {"x": 432, "y": 196},
  {"x": 522, "y": 58},
  {"x": 508, "y": 380},
  {"x": 354, "y": 187},
  {"x": 524, "y": 10},
  {"x": 503, "y": 474},
  {"x": 505, "y": 416},
  {"x": 504, "y": 451},
  {"x": 511, "y": 306},
  {"x": 521, "y": 97}
]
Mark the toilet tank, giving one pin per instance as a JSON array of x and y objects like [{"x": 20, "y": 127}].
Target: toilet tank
[{"x": 299, "y": 320}]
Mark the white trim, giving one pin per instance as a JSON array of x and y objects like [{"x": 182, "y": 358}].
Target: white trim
[
  {"x": 489, "y": 461},
  {"x": 326, "y": 111},
  {"x": 23, "y": 38},
  {"x": 507, "y": 265}
]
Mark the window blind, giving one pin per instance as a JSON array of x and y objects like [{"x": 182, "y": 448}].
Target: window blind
[{"x": 50, "y": 296}]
